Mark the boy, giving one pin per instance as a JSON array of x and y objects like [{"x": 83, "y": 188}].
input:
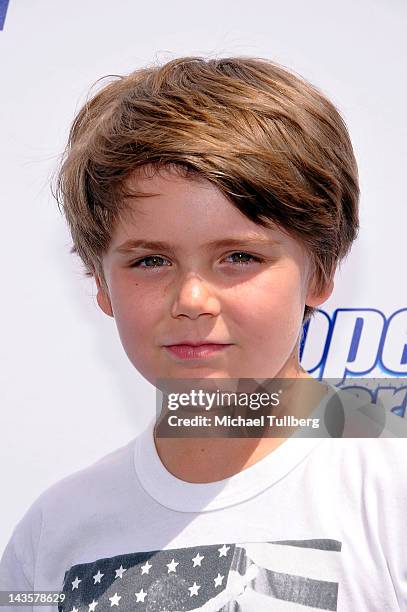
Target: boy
[{"x": 212, "y": 201}]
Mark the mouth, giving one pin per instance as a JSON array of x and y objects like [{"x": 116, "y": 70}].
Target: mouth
[{"x": 195, "y": 351}]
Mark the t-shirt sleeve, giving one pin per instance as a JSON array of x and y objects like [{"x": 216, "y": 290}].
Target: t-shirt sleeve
[
  {"x": 14, "y": 574},
  {"x": 390, "y": 509},
  {"x": 18, "y": 561}
]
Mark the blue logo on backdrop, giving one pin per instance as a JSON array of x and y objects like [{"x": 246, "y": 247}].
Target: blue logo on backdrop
[
  {"x": 353, "y": 342},
  {"x": 3, "y": 12}
]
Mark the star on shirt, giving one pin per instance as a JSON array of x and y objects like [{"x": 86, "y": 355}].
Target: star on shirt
[
  {"x": 75, "y": 583},
  {"x": 114, "y": 601},
  {"x": 141, "y": 595},
  {"x": 218, "y": 580},
  {"x": 194, "y": 589},
  {"x": 223, "y": 550},
  {"x": 97, "y": 577},
  {"x": 92, "y": 606},
  {"x": 146, "y": 568},
  {"x": 120, "y": 572},
  {"x": 197, "y": 559},
  {"x": 171, "y": 566}
]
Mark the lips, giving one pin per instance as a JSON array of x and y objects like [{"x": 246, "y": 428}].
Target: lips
[
  {"x": 204, "y": 341},
  {"x": 195, "y": 351}
]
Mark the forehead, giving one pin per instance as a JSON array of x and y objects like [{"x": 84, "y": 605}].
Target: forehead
[
  {"x": 167, "y": 201},
  {"x": 191, "y": 214},
  {"x": 165, "y": 189}
]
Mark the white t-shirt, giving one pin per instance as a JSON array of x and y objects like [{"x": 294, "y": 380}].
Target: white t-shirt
[{"x": 318, "y": 524}]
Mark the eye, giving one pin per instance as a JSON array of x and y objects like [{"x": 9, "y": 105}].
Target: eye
[
  {"x": 244, "y": 258},
  {"x": 151, "y": 261}
]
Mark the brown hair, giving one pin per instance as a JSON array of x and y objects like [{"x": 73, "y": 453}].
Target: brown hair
[{"x": 272, "y": 143}]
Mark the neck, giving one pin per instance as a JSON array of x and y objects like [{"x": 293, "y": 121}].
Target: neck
[{"x": 208, "y": 459}]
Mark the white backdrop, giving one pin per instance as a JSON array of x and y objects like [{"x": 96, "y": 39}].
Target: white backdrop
[{"x": 68, "y": 393}]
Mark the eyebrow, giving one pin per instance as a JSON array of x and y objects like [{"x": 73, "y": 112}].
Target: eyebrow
[{"x": 131, "y": 245}]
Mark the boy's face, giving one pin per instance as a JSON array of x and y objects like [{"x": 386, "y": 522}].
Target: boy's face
[{"x": 248, "y": 295}]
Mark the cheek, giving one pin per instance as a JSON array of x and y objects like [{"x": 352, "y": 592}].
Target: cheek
[
  {"x": 130, "y": 299},
  {"x": 136, "y": 315},
  {"x": 270, "y": 298}
]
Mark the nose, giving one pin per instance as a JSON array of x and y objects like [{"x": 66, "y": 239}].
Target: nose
[{"x": 194, "y": 297}]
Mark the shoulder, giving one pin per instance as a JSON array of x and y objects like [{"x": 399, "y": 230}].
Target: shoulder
[
  {"x": 86, "y": 488},
  {"x": 364, "y": 443},
  {"x": 76, "y": 497},
  {"x": 372, "y": 454},
  {"x": 105, "y": 476},
  {"x": 373, "y": 466}
]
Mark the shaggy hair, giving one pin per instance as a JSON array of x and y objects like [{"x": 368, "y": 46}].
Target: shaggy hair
[{"x": 270, "y": 141}]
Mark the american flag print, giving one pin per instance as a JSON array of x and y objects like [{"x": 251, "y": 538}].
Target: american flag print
[{"x": 278, "y": 576}]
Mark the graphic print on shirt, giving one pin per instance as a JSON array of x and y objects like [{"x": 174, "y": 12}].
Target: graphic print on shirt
[{"x": 244, "y": 577}]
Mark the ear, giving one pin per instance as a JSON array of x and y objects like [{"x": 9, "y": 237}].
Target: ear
[
  {"x": 316, "y": 298},
  {"x": 103, "y": 298}
]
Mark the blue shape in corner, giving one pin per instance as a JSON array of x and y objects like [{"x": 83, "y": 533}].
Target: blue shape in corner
[
  {"x": 3, "y": 12},
  {"x": 400, "y": 411}
]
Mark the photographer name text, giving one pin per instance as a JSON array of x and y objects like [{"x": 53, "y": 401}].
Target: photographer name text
[{"x": 240, "y": 421}]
